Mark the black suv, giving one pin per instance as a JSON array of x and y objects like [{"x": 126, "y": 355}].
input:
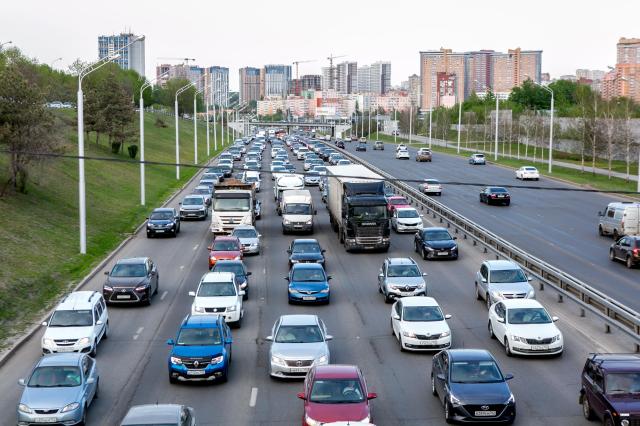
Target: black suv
[
  {"x": 133, "y": 280},
  {"x": 610, "y": 389},
  {"x": 626, "y": 249},
  {"x": 164, "y": 221}
]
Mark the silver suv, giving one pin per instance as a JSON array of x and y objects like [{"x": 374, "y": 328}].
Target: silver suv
[
  {"x": 401, "y": 277},
  {"x": 502, "y": 279}
]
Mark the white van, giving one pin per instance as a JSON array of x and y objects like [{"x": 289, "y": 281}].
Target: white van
[
  {"x": 284, "y": 182},
  {"x": 622, "y": 218},
  {"x": 252, "y": 176},
  {"x": 297, "y": 211}
]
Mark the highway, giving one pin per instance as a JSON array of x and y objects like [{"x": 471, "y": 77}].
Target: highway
[
  {"x": 133, "y": 361},
  {"x": 559, "y": 227}
]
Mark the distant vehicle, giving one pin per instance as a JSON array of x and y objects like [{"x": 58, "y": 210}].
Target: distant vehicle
[
  {"x": 502, "y": 279},
  {"x": 286, "y": 182},
  {"x": 401, "y": 147},
  {"x": 252, "y": 177},
  {"x": 306, "y": 251},
  {"x": 239, "y": 271},
  {"x": 402, "y": 154},
  {"x": 477, "y": 159},
  {"x": 224, "y": 248},
  {"x": 378, "y": 145},
  {"x": 308, "y": 282},
  {"x": 336, "y": 393},
  {"x": 431, "y": 186},
  {"x": 194, "y": 207},
  {"x": 626, "y": 249},
  {"x": 233, "y": 205},
  {"x": 471, "y": 387},
  {"x": 258, "y": 209},
  {"x": 205, "y": 191},
  {"x": 610, "y": 385},
  {"x": 620, "y": 219},
  {"x": 201, "y": 350},
  {"x": 133, "y": 280},
  {"x": 396, "y": 202},
  {"x": 249, "y": 238},
  {"x": 435, "y": 243},
  {"x": 163, "y": 221},
  {"x": 395, "y": 133},
  {"x": 217, "y": 293},
  {"x": 278, "y": 171},
  {"x": 388, "y": 192},
  {"x": 524, "y": 327},
  {"x": 495, "y": 195},
  {"x": 424, "y": 154},
  {"x": 59, "y": 389},
  {"x": 298, "y": 343},
  {"x": 419, "y": 324},
  {"x": 297, "y": 210},
  {"x": 340, "y": 144},
  {"x": 401, "y": 277},
  {"x": 164, "y": 414},
  {"x": 362, "y": 146},
  {"x": 343, "y": 162},
  {"x": 527, "y": 172},
  {"x": 406, "y": 219},
  {"x": 312, "y": 178}
]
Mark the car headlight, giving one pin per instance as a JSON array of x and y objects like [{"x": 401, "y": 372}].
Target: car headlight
[
  {"x": 532, "y": 294},
  {"x": 454, "y": 401},
  {"x": 198, "y": 309},
  {"x": 408, "y": 334},
  {"x": 310, "y": 421},
  {"x": 511, "y": 399},
  {"x": 455, "y": 247},
  {"x": 556, "y": 338},
  {"x": 217, "y": 360},
  {"x": 292, "y": 290},
  {"x": 496, "y": 295},
  {"x": 24, "y": 409},
  {"x": 84, "y": 341},
  {"x": 107, "y": 288},
  {"x": 70, "y": 407},
  {"x": 232, "y": 308},
  {"x": 422, "y": 285},
  {"x": 142, "y": 287},
  {"x": 324, "y": 359},
  {"x": 278, "y": 361},
  {"x": 285, "y": 221},
  {"x": 445, "y": 334},
  {"x": 518, "y": 339},
  {"x": 309, "y": 222},
  {"x": 175, "y": 360},
  {"x": 324, "y": 290}
]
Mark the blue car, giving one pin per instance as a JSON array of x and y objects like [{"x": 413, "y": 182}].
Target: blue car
[
  {"x": 201, "y": 350},
  {"x": 308, "y": 283}
]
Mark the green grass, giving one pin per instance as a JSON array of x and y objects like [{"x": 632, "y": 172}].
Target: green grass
[{"x": 40, "y": 236}]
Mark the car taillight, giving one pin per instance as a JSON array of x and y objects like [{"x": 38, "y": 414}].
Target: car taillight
[
  {"x": 636, "y": 252},
  {"x": 493, "y": 195}
]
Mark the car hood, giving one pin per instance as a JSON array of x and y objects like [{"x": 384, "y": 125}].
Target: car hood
[
  {"x": 215, "y": 302},
  {"x": 326, "y": 413},
  {"x": 70, "y": 333},
  {"x": 398, "y": 206},
  {"x": 409, "y": 220},
  {"x": 625, "y": 403},
  {"x": 481, "y": 393},
  {"x": 197, "y": 351},
  {"x": 245, "y": 241},
  {"x": 160, "y": 222},
  {"x": 299, "y": 350},
  {"x": 193, "y": 207},
  {"x": 126, "y": 281},
  {"x": 522, "y": 287},
  {"x": 425, "y": 327},
  {"x": 309, "y": 285},
  {"x": 49, "y": 398},
  {"x": 297, "y": 217},
  {"x": 306, "y": 256},
  {"x": 534, "y": 331},
  {"x": 444, "y": 244},
  {"x": 224, "y": 254},
  {"x": 401, "y": 281}
]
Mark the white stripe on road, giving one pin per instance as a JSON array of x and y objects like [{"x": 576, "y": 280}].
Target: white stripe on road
[
  {"x": 181, "y": 267},
  {"x": 135, "y": 336},
  {"x": 196, "y": 246},
  {"x": 164, "y": 295},
  {"x": 254, "y": 397}
]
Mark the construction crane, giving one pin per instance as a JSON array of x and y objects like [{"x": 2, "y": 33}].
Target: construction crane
[
  {"x": 331, "y": 78},
  {"x": 186, "y": 60},
  {"x": 301, "y": 62}
]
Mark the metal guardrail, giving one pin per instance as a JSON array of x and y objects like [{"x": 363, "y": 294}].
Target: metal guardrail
[{"x": 610, "y": 310}]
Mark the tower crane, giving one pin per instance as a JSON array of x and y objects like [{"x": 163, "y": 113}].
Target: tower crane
[
  {"x": 186, "y": 60},
  {"x": 331, "y": 78},
  {"x": 301, "y": 62}
]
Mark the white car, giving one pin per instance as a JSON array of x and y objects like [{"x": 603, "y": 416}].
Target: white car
[
  {"x": 217, "y": 294},
  {"x": 527, "y": 172},
  {"x": 419, "y": 324},
  {"x": 401, "y": 146},
  {"x": 431, "y": 186},
  {"x": 402, "y": 154},
  {"x": 406, "y": 219},
  {"x": 524, "y": 327}
]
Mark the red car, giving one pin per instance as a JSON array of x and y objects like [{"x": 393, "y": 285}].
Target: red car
[
  {"x": 396, "y": 202},
  {"x": 224, "y": 248},
  {"x": 335, "y": 393}
]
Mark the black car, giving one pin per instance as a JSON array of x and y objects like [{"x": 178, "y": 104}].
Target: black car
[
  {"x": 471, "y": 387},
  {"x": 362, "y": 146},
  {"x": 240, "y": 271},
  {"x": 435, "y": 243},
  {"x": 306, "y": 250},
  {"x": 133, "y": 280},
  {"x": 340, "y": 144},
  {"x": 626, "y": 249},
  {"x": 163, "y": 221},
  {"x": 495, "y": 195}
]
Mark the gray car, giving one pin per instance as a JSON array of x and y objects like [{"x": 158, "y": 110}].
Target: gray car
[
  {"x": 59, "y": 389},
  {"x": 249, "y": 238},
  {"x": 502, "y": 279},
  {"x": 160, "y": 414},
  {"x": 299, "y": 343},
  {"x": 194, "y": 207},
  {"x": 401, "y": 277},
  {"x": 205, "y": 191}
]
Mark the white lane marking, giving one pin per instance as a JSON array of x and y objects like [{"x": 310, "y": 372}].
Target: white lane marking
[
  {"x": 164, "y": 295},
  {"x": 138, "y": 331},
  {"x": 181, "y": 267},
  {"x": 254, "y": 397},
  {"x": 196, "y": 246},
  {"x": 264, "y": 270}
]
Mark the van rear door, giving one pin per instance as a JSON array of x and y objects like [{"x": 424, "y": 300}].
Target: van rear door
[{"x": 631, "y": 220}]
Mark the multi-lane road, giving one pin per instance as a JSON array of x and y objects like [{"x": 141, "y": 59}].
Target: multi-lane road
[
  {"x": 133, "y": 361},
  {"x": 559, "y": 227}
]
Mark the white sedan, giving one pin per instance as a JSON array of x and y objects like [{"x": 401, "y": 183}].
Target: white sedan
[
  {"x": 419, "y": 324},
  {"x": 406, "y": 219},
  {"x": 524, "y": 327},
  {"x": 402, "y": 154},
  {"x": 431, "y": 186},
  {"x": 527, "y": 172}
]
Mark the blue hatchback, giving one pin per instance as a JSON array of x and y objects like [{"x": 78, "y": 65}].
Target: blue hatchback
[
  {"x": 308, "y": 283},
  {"x": 201, "y": 350}
]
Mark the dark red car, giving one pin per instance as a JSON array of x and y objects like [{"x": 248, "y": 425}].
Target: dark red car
[
  {"x": 335, "y": 393},
  {"x": 396, "y": 202},
  {"x": 224, "y": 248}
]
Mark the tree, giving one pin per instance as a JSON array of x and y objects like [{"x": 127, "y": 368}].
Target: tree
[{"x": 116, "y": 111}]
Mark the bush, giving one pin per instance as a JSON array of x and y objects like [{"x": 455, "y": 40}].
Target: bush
[
  {"x": 133, "y": 150},
  {"x": 115, "y": 147},
  {"x": 160, "y": 123}
]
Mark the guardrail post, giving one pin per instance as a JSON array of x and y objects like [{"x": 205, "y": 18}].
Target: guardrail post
[
  {"x": 485, "y": 250},
  {"x": 475, "y": 243},
  {"x": 464, "y": 236},
  {"x": 541, "y": 286},
  {"x": 637, "y": 347},
  {"x": 582, "y": 313},
  {"x": 560, "y": 298},
  {"x": 497, "y": 257},
  {"x": 607, "y": 328}
]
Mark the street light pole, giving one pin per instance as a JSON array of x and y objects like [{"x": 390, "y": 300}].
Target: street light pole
[
  {"x": 6, "y": 42},
  {"x": 195, "y": 127},
  {"x": 430, "y": 118},
  {"x": 410, "y": 122},
  {"x": 178, "y": 92},
  {"x": 548, "y": 89},
  {"x": 495, "y": 155},
  {"x": 459, "y": 123}
]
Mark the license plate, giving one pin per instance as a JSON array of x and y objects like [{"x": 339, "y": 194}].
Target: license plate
[
  {"x": 485, "y": 413},
  {"x": 540, "y": 347},
  {"x": 46, "y": 419},
  {"x": 443, "y": 253},
  {"x": 123, "y": 296},
  {"x": 65, "y": 349},
  {"x": 195, "y": 372},
  {"x": 309, "y": 298},
  {"x": 297, "y": 370},
  {"x": 406, "y": 293},
  {"x": 500, "y": 196},
  {"x": 159, "y": 230}
]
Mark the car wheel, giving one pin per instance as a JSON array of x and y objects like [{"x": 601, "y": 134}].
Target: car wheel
[
  {"x": 225, "y": 377},
  {"x": 629, "y": 262},
  {"x": 172, "y": 380},
  {"x": 387, "y": 298},
  {"x": 608, "y": 422},
  {"x": 507, "y": 348},
  {"x": 415, "y": 246},
  {"x": 94, "y": 350},
  {"x": 402, "y": 349},
  {"x": 612, "y": 255},
  {"x": 488, "y": 301},
  {"x": 507, "y": 203},
  {"x": 587, "y": 412},
  {"x": 615, "y": 235},
  {"x": 105, "y": 335},
  {"x": 379, "y": 289},
  {"x": 600, "y": 231},
  {"x": 491, "y": 333},
  {"x": 434, "y": 391},
  {"x": 447, "y": 412},
  {"x": 83, "y": 422},
  {"x": 157, "y": 286},
  {"x": 424, "y": 254},
  {"x": 478, "y": 297}
]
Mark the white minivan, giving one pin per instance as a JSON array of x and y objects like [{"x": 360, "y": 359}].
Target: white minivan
[
  {"x": 297, "y": 211},
  {"x": 285, "y": 182},
  {"x": 620, "y": 219}
]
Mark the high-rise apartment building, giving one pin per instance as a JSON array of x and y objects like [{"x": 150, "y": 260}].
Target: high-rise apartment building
[
  {"x": 413, "y": 87},
  {"x": 277, "y": 79},
  {"x": 311, "y": 82},
  {"x": 346, "y": 77},
  {"x": 624, "y": 80},
  {"x": 249, "y": 84},
  {"x": 364, "y": 79},
  {"x": 380, "y": 77},
  {"x": 511, "y": 69},
  {"x": 162, "y": 74},
  {"x": 131, "y": 58},
  {"x": 217, "y": 87},
  {"x": 452, "y": 64}
]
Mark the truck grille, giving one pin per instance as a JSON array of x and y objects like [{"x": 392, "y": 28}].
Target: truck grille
[
  {"x": 299, "y": 362},
  {"x": 231, "y": 220},
  {"x": 369, "y": 235}
]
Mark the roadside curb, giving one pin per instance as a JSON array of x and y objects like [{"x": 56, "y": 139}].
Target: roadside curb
[{"x": 6, "y": 355}]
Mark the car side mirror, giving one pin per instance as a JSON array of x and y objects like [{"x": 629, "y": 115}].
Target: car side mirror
[
  {"x": 192, "y": 293},
  {"x": 424, "y": 274},
  {"x": 176, "y": 217},
  {"x": 249, "y": 273},
  {"x": 229, "y": 341},
  {"x": 501, "y": 319},
  {"x": 529, "y": 278},
  {"x": 484, "y": 280},
  {"x": 554, "y": 319},
  {"x": 286, "y": 278},
  {"x": 106, "y": 272},
  {"x": 241, "y": 293},
  {"x": 21, "y": 382},
  {"x": 259, "y": 235},
  {"x": 440, "y": 376},
  {"x": 372, "y": 395},
  {"x": 289, "y": 251},
  {"x": 269, "y": 338},
  {"x": 171, "y": 342},
  {"x": 381, "y": 275},
  {"x": 396, "y": 316},
  {"x": 448, "y": 316},
  {"x": 180, "y": 203},
  {"x": 329, "y": 277},
  {"x": 209, "y": 248},
  {"x": 508, "y": 376},
  {"x": 455, "y": 238},
  {"x": 91, "y": 380},
  {"x": 600, "y": 214},
  {"x": 328, "y": 337},
  {"x": 302, "y": 396},
  {"x": 99, "y": 322}
]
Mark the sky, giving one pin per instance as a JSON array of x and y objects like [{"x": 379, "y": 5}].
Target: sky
[{"x": 572, "y": 33}]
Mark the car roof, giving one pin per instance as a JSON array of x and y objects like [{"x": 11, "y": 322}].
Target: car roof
[
  {"x": 400, "y": 261},
  {"x": 69, "y": 358},
  {"x": 299, "y": 320},
  {"x": 336, "y": 371},
  {"x": 617, "y": 362},
  {"x": 500, "y": 265},
  {"x": 307, "y": 266},
  {"x": 435, "y": 228},
  {"x": 404, "y": 208},
  {"x": 305, "y": 240},
  {"x": 151, "y": 414},
  {"x": 78, "y": 300},
  {"x": 419, "y": 301},
  {"x": 470, "y": 355},
  {"x": 216, "y": 277},
  {"x": 521, "y": 303},
  {"x": 200, "y": 321},
  {"x": 207, "y": 187},
  {"x": 163, "y": 209},
  {"x": 225, "y": 238},
  {"x": 132, "y": 260}
]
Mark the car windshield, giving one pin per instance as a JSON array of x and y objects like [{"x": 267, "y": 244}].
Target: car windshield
[
  {"x": 279, "y": 169},
  {"x": 437, "y": 236},
  {"x": 199, "y": 337},
  {"x": 161, "y": 216},
  {"x": 528, "y": 316},
  {"x": 201, "y": 191},
  {"x": 306, "y": 248},
  {"x": 303, "y": 274},
  {"x": 231, "y": 204},
  {"x": 336, "y": 391},
  {"x": 398, "y": 201},
  {"x": 422, "y": 313},
  {"x": 622, "y": 383},
  {"x": 508, "y": 276},
  {"x": 408, "y": 214},
  {"x": 245, "y": 233},
  {"x": 299, "y": 334},
  {"x": 69, "y": 318},
  {"x": 478, "y": 155},
  {"x": 497, "y": 190},
  {"x": 368, "y": 212},
  {"x": 403, "y": 271},
  {"x": 216, "y": 289},
  {"x": 129, "y": 270},
  {"x": 319, "y": 169},
  {"x": 55, "y": 376},
  {"x": 225, "y": 245},
  {"x": 531, "y": 169},
  {"x": 297, "y": 208},
  {"x": 236, "y": 268},
  {"x": 251, "y": 179},
  {"x": 211, "y": 176},
  {"x": 432, "y": 181},
  {"x": 192, "y": 201},
  {"x": 475, "y": 372}
]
